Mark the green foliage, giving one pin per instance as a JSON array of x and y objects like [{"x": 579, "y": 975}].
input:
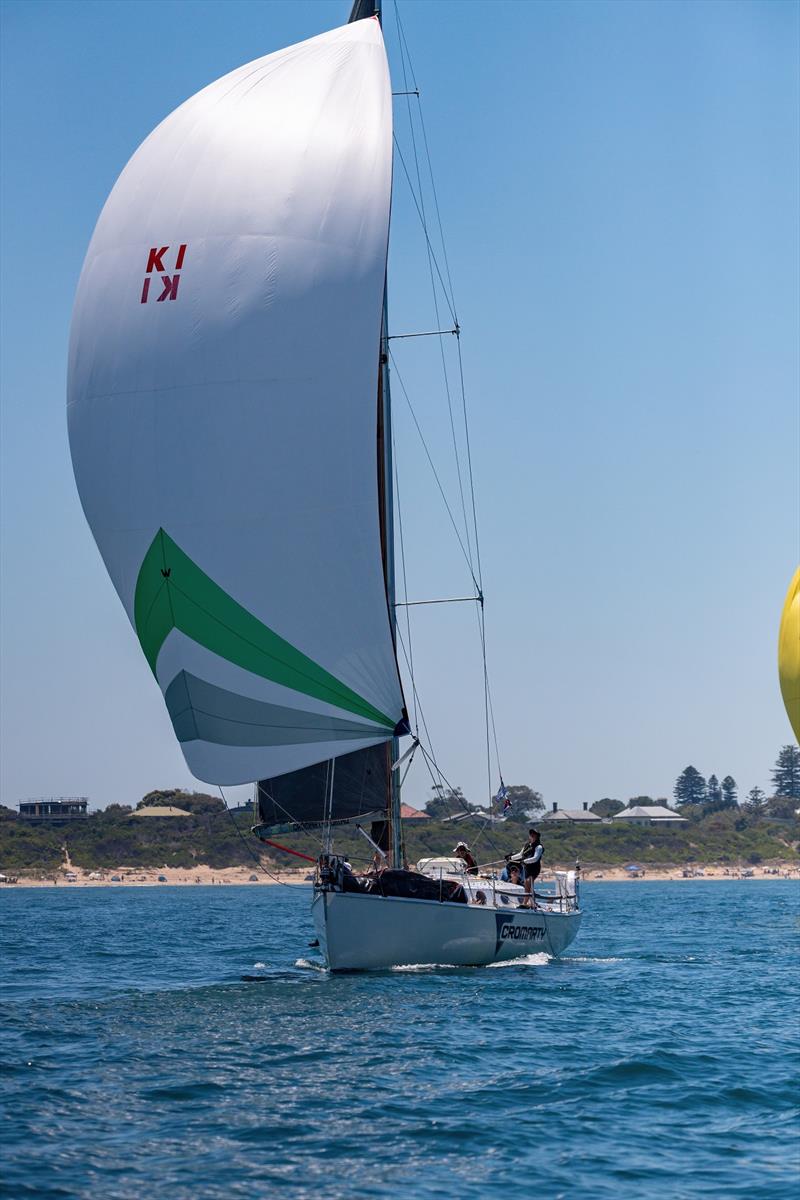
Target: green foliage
[
  {"x": 713, "y": 790},
  {"x": 607, "y": 807},
  {"x": 755, "y": 800},
  {"x": 446, "y": 802},
  {"x": 729, "y": 790},
  {"x": 114, "y": 838},
  {"x": 690, "y": 787},
  {"x": 192, "y": 802},
  {"x": 525, "y": 803},
  {"x": 786, "y": 773},
  {"x": 781, "y": 808},
  {"x": 26, "y": 844}
]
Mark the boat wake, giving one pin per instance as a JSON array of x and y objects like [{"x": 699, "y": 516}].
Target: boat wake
[
  {"x": 577, "y": 958},
  {"x": 305, "y": 964},
  {"x": 526, "y": 960},
  {"x": 429, "y": 967}
]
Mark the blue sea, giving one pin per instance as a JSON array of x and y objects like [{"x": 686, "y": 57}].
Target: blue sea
[{"x": 657, "y": 1059}]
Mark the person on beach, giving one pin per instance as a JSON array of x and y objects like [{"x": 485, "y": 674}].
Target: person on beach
[{"x": 531, "y": 855}]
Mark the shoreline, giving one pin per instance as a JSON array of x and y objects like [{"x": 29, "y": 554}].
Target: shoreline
[{"x": 71, "y": 877}]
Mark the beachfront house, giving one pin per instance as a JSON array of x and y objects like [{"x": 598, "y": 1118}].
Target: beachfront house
[
  {"x": 573, "y": 815},
  {"x": 55, "y": 808},
  {"x": 650, "y": 814},
  {"x": 408, "y": 813},
  {"x": 160, "y": 810}
]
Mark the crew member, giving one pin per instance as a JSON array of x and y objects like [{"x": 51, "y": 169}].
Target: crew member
[
  {"x": 511, "y": 873},
  {"x": 463, "y": 852},
  {"x": 531, "y": 855}
]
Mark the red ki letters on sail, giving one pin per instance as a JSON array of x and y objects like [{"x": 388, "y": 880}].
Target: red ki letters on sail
[{"x": 169, "y": 283}]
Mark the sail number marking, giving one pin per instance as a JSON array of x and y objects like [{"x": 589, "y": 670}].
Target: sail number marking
[{"x": 155, "y": 262}]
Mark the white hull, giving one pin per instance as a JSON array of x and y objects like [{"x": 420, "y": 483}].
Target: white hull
[{"x": 367, "y": 932}]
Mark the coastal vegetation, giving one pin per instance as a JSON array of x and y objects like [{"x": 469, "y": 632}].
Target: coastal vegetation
[{"x": 759, "y": 830}]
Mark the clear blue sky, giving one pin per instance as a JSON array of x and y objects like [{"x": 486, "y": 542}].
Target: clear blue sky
[{"x": 619, "y": 185}]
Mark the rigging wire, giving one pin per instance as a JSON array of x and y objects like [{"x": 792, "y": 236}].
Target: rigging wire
[
  {"x": 418, "y": 704},
  {"x": 455, "y": 796},
  {"x": 255, "y": 857},
  {"x": 433, "y": 468},
  {"x": 470, "y": 529},
  {"x": 404, "y": 43},
  {"x": 424, "y": 229},
  {"x": 433, "y": 287},
  {"x": 399, "y": 513}
]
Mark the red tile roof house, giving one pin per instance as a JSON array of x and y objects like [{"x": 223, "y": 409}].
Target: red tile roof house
[{"x": 413, "y": 814}]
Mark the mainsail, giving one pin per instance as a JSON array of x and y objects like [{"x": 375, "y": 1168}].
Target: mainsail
[{"x": 222, "y": 405}]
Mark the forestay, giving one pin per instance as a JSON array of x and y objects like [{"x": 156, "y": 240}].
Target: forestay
[{"x": 223, "y": 403}]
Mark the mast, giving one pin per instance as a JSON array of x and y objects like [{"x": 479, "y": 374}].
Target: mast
[{"x": 361, "y": 10}]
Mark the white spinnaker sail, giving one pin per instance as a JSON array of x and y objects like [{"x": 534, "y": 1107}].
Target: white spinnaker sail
[{"x": 222, "y": 407}]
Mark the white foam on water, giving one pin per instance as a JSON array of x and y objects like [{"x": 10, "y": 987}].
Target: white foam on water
[
  {"x": 426, "y": 967},
  {"x": 306, "y": 965},
  {"x": 525, "y": 960},
  {"x": 259, "y": 966},
  {"x": 586, "y": 958}
]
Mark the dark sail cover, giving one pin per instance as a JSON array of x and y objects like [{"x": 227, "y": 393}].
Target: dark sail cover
[
  {"x": 362, "y": 9},
  {"x": 360, "y": 789}
]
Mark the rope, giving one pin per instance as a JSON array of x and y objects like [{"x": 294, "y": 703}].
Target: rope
[
  {"x": 421, "y": 714},
  {"x": 256, "y": 859},
  {"x": 455, "y": 796},
  {"x": 286, "y": 849}
]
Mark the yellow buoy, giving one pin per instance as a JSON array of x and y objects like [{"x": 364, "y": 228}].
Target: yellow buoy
[{"x": 789, "y": 653}]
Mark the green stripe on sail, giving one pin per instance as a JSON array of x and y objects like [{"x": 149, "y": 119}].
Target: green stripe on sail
[{"x": 173, "y": 593}]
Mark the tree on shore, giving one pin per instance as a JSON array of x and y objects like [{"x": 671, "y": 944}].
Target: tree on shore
[
  {"x": 690, "y": 787},
  {"x": 607, "y": 807},
  {"x": 755, "y": 800},
  {"x": 786, "y": 773},
  {"x": 525, "y": 802},
  {"x": 729, "y": 791},
  {"x": 713, "y": 790},
  {"x": 446, "y": 802}
]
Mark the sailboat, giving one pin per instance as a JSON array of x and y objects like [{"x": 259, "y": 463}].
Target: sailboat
[{"x": 229, "y": 417}]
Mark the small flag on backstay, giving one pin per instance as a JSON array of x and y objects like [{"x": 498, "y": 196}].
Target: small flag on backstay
[{"x": 502, "y": 795}]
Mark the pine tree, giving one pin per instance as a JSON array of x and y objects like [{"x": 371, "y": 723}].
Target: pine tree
[
  {"x": 786, "y": 773},
  {"x": 713, "y": 790},
  {"x": 690, "y": 787},
  {"x": 729, "y": 791},
  {"x": 755, "y": 800}
]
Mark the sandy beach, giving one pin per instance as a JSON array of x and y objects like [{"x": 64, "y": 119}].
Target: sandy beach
[{"x": 72, "y": 877}]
